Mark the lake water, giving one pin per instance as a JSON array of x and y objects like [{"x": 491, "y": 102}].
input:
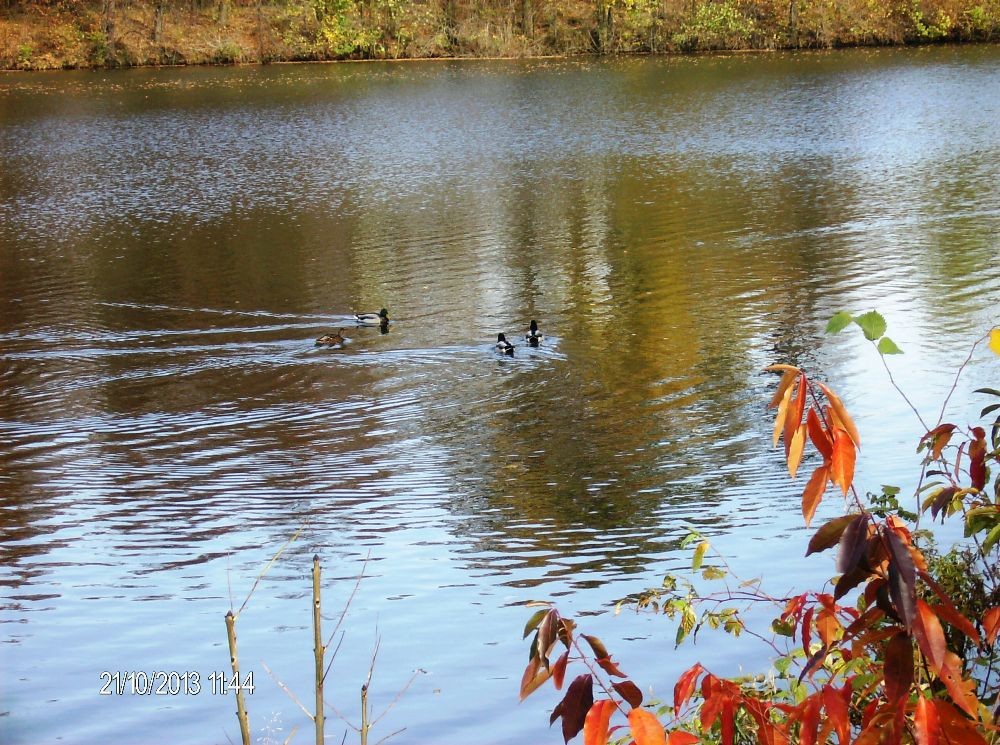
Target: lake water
[{"x": 172, "y": 242}]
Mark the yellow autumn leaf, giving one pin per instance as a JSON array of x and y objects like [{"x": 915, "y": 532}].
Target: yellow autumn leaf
[{"x": 995, "y": 340}]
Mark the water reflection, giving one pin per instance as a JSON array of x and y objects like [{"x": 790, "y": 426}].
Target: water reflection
[{"x": 172, "y": 242}]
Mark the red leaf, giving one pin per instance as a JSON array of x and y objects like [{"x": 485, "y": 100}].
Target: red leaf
[
  {"x": 813, "y": 492},
  {"x": 842, "y": 461},
  {"x": 898, "y": 669},
  {"x": 925, "y": 722},
  {"x": 596, "y": 645},
  {"x": 720, "y": 703},
  {"x": 853, "y": 543},
  {"x": 829, "y": 535},
  {"x": 630, "y": 692},
  {"x": 685, "y": 686},
  {"x": 991, "y": 624},
  {"x": 977, "y": 458},
  {"x": 807, "y": 630},
  {"x": 595, "y": 726},
  {"x": 610, "y": 667},
  {"x": 902, "y": 578},
  {"x": 837, "y": 711},
  {"x": 575, "y": 705},
  {"x": 820, "y": 437},
  {"x": 548, "y": 635},
  {"x": 559, "y": 670},
  {"x": 810, "y": 720},
  {"x": 646, "y": 728}
]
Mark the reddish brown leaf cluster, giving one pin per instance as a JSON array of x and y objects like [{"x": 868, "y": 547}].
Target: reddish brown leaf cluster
[{"x": 880, "y": 673}]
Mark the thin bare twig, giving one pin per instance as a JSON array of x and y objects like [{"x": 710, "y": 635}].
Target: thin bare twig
[
  {"x": 343, "y": 613},
  {"x": 286, "y": 689},
  {"x": 267, "y": 568}
]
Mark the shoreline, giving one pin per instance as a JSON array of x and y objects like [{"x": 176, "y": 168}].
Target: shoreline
[{"x": 105, "y": 34}]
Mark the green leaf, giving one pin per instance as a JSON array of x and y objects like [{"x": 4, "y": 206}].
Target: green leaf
[
  {"x": 888, "y": 346},
  {"x": 533, "y": 622},
  {"x": 991, "y": 391},
  {"x": 991, "y": 539},
  {"x": 690, "y": 538},
  {"x": 872, "y": 323},
  {"x": 713, "y": 573},
  {"x": 988, "y": 409},
  {"x": 783, "y": 665},
  {"x": 838, "y": 322},
  {"x": 890, "y": 491}
]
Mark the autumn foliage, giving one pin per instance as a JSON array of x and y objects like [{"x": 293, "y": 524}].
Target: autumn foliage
[{"x": 901, "y": 662}]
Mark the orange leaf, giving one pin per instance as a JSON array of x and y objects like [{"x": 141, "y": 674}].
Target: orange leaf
[
  {"x": 677, "y": 737},
  {"x": 783, "y": 368},
  {"x": 930, "y": 637},
  {"x": 534, "y": 675},
  {"x": 827, "y": 626},
  {"x": 787, "y": 378},
  {"x": 842, "y": 416},
  {"x": 925, "y": 723},
  {"x": 819, "y": 436},
  {"x": 795, "y": 449},
  {"x": 793, "y": 418},
  {"x": 814, "y": 492},
  {"x": 684, "y": 687},
  {"x": 962, "y": 690},
  {"x": 949, "y": 613},
  {"x": 939, "y": 437},
  {"x": 646, "y": 728},
  {"x": 595, "y": 726},
  {"x": 779, "y": 419},
  {"x": 954, "y": 727},
  {"x": 991, "y": 624},
  {"x": 842, "y": 462}
]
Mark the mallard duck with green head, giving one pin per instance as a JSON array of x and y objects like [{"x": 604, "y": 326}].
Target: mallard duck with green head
[{"x": 373, "y": 319}]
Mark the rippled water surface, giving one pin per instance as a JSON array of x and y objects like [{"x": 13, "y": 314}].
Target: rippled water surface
[{"x": 172, "y": 242}]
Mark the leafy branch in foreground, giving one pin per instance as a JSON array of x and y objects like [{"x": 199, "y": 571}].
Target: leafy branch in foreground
[{"x": 913, "y": 658}]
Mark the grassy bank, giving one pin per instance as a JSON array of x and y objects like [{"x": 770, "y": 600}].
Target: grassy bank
[{"x": 110, "y": 33}]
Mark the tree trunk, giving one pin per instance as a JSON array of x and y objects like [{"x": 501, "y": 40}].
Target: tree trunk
[
  {"x": 108, "y": 22},
  {"x": 223, "y": 12},
  {"x": 158, "y": 21},
  {"x": 793, "y": 21},
  {"x": 527, "y": 18}
]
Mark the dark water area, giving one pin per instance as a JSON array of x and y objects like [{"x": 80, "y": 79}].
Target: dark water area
[{"x": 173, "y": 241}]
